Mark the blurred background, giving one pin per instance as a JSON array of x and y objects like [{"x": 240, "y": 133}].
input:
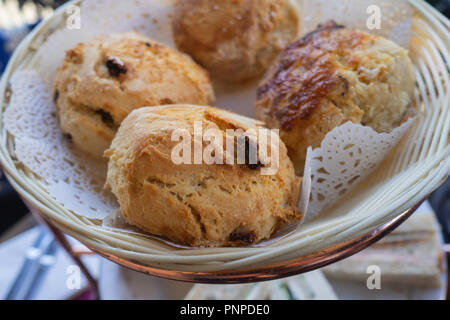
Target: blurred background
[{"x": 17, "y": 18}]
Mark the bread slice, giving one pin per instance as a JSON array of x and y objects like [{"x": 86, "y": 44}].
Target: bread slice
[
  {"x": 220, "y": 292},
  {"x": 309, "y": 286},
  {"x": 410, "y": 255}
]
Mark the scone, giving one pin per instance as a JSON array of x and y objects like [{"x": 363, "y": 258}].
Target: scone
[
  {"x": 102, "y": 81},
  {"x": 197, "y": 204},
  {"x": 332, "y": 76},
  {"x": 235, "y": 40}
]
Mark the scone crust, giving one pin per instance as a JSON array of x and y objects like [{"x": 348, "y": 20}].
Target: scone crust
[
  {"x": 235, "y": 40},
  {"x": 196, "y": 205},
  {"x": 102, "y": 81},
  {"x": 331, "y": 76}
]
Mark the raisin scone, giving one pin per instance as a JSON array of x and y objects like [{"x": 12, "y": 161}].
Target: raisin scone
[
  {"x": 102, "y": 81},
  {"x": 331, "y": 76},
  {"x": 204, "y": 205},
  {"x": 235, "y": 40}
]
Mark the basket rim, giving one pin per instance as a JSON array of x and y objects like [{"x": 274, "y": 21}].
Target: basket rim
[
  {"x": 51, "y": 214},
  {"x": 303, "y": 264}
]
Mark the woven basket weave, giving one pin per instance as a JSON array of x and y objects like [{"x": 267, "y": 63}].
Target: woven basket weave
[{"x": 417, "y": 166}]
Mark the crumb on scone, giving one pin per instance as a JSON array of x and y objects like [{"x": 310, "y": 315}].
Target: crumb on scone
[
  {"x": 102, "y": 81},
  {"x": 197, "y": 204},
  {"x": 235, "y": 40},
  {"x": 331, "y": 76}
]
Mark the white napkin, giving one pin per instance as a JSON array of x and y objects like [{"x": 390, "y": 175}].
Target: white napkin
[{"x": 117, "y": 283}]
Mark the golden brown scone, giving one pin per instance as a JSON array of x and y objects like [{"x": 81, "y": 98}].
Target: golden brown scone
[
  {"x": 332, "y": 76},
  {"x": 235, "y": 40},
  {"x": 102, "y": 81},
  {"x": 196, "y": 205}
]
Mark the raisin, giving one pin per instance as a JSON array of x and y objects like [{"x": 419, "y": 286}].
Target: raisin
[
  {"x": 240, "y": 235},
  {"x": 106, "y": 117},
  {"x": 56, "y": 96},
  {"x": 254, "y": 166},
  {"x": 250, "y": 148},
  {"x": 68, "y": 136},
  {"x": 116, "y": 67},
  {"x": 166, "y": 101}
]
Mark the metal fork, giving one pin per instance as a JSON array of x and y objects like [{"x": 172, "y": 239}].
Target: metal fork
[{"x": 39, "y": 257}]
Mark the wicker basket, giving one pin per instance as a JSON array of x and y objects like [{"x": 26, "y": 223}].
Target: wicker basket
[{"x": 418, "y": 165}]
